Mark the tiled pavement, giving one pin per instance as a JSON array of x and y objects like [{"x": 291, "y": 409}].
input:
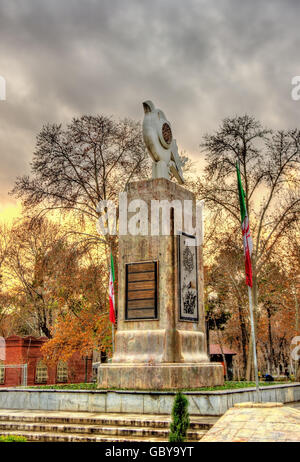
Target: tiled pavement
[{"x": 249, "y": 422}]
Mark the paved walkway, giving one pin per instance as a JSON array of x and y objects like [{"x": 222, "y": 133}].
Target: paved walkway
[
  {"x": 257, "y": 422},
  {"x": 294, "y": 405}
]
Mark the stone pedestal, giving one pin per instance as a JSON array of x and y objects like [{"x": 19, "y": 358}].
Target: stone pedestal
[{"x": 167, "y": 351}]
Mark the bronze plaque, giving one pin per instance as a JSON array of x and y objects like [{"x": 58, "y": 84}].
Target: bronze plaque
[
  {"x": 141, "y": 291},
  {"x": 188, "y": 278}
]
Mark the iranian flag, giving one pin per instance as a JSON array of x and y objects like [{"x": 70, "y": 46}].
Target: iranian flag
[
  {"x": 112, "y": 307},
  {"x": 247, "y": 241}
]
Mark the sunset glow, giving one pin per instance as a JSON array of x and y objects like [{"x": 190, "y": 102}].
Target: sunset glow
[{"x": 10, "y": 211}]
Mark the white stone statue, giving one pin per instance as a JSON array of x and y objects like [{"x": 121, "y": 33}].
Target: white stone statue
[{"x": 162, "y": 147}]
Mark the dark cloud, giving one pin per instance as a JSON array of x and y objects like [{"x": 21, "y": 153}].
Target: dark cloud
[{"x": 199, "y": 60}]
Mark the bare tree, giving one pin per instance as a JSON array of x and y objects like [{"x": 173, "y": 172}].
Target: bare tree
[
  {"x": 289, "y": 256},
  {"x": 74, "y": 168},
  {"x": 269, "y": 162},
  {"x": 225, "y": 279},
  {"x": 4, "y": 299},
  {"x": 4, "y": 246}
]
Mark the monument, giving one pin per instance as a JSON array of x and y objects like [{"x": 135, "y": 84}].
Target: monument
[{"x": 160, "y": 341}]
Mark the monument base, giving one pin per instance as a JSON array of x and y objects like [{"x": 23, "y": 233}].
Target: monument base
[{"x": 166, "y": 376}]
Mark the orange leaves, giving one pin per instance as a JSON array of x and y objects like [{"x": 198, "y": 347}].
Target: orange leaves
[{"x": 87, "y": 331}]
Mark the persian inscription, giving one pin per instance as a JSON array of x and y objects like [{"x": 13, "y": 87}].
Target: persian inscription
[
  {"x": 188, "y": 286},
  {"x": 141, "y": 291}
]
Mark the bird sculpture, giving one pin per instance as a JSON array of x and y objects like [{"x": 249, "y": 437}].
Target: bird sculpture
[{"x": 162, "y": 147}]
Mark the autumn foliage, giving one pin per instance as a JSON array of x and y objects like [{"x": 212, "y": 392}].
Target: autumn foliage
[
  {"x": 54, "y": 277},
  {"x": 84, "y": 332}
]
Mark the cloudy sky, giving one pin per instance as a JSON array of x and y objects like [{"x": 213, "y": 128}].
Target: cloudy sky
[{"x": 198, "y": 60}]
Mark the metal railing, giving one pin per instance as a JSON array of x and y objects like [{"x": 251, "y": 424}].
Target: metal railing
[{"x": 23, "y": 367}]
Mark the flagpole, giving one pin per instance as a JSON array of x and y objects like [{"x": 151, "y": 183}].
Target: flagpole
[
  {"x": 113, "y": 337},
  {"x": 254, "y": 344},
  {"x": 112, "y": 324}
]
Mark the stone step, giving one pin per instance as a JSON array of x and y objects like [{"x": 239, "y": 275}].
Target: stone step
[
  {"x": 77, "y": 438},
  {"x": 192, "y": 435},
  {"x": 120, "y": 420},
  {"x": 83, "y": 418},
  {"x": 95, "y": 427}
]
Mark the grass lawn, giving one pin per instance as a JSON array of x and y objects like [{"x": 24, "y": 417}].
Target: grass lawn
[{"x": 93, "y": 386}]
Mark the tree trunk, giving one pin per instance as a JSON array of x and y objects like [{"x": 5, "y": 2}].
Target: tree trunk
[
  {"x": 297, "y": 365},
  {"x": 250, "y": 365},
  {"x": 249, "y": 371},
  {"x": 221, "y": 347},
  {"x": 244, "y": 338},
  {"x": 272, "y": 352},
  {"x": 250, "y": 368},
  {"x": 46, "y": 331},
  {"x": 298, "y": 371},
  {"x": 207, "y": 336}
]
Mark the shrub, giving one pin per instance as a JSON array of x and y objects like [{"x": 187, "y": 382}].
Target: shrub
[
  {"x": 12, "y": 439},
  {"x": 180, "y": 419}
]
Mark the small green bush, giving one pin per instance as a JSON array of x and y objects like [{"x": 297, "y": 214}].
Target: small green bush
[
  {"x": 12, "y": 439},
  {"x": 180, "y": 419}
]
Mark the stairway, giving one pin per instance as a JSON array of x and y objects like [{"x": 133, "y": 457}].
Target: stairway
[{"x": 93, "y": 427}]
